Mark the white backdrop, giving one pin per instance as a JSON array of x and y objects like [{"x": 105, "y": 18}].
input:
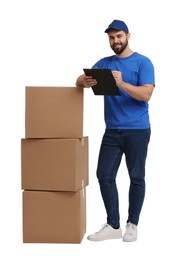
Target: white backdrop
[{"x": 48, "y": 43}]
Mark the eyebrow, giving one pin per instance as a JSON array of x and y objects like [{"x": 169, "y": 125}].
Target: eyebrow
[{"x": 116, "y": 35}]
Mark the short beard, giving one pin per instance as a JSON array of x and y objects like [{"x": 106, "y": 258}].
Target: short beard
[{"x": 121, "y": 49}]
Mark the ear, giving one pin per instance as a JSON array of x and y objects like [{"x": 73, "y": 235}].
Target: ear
[{"x": 128, "y": 36}]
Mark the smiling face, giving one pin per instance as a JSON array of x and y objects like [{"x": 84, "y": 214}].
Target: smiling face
[{"x": 118, "y": 41}]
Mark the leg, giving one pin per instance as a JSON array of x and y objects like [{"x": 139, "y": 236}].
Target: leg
[
  {"x": 108, "y": 163},
  {"x": 136, "y": 144}
]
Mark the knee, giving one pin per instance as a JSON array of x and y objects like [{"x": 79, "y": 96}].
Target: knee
[
  {"x": 138, "y": 181},
  {"x": 105, "y": 180}
]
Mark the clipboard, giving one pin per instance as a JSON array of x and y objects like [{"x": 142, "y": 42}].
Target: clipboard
[{"x": 106, "y": 84}]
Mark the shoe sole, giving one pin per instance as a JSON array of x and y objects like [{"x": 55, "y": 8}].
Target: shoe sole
[
  {"x": 98, "y": 240},
  {"x": 132, "y": 240}
]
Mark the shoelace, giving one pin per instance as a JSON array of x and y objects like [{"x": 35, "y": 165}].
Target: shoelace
[
  {"x": 102, "y": 229},
  {"x": 130, "y": 228}
]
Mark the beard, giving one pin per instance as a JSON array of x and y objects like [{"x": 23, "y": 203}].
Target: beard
[{"x": 119, "y": 48}]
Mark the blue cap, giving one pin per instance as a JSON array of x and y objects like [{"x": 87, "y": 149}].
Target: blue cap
[{"x": 117, "y": 25}]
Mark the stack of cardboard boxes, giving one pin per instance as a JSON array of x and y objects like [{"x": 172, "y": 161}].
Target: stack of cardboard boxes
[{"x": 54, "y": 158}]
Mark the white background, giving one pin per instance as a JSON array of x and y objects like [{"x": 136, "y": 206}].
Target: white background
[{"x": 48, "y": 43}]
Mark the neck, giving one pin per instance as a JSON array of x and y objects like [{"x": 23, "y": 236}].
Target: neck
[{"x": 126, "y": 53}]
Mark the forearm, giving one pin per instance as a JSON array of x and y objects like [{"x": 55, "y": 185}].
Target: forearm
[
  {"x": 79, "y": 81},
  {"x": 142, "y": 93}
]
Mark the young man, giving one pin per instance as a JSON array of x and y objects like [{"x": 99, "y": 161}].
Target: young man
[{"x": 127, "y": 130}]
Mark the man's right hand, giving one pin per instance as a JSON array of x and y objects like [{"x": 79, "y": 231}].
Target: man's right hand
[{"x": 85, "y": 81}]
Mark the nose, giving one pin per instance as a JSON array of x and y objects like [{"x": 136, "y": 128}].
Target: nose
[{"x": 115, "y": 40}]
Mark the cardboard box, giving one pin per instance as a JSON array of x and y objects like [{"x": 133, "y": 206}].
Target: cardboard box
[
  {"x": 54, "y": 164},
  {"x": 54, "y": 112},
  {"x": 54, "y": 217}
]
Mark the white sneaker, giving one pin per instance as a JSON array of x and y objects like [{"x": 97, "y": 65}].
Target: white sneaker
[
  {"x": 130, "y": 234},
  {"x": 107, "y": 232}
]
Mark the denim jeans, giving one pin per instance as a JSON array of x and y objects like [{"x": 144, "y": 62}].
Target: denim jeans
[{"x": 133, "y": 144}]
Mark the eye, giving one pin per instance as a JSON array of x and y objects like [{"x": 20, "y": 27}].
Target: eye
[{"x": 119, "y": 36}]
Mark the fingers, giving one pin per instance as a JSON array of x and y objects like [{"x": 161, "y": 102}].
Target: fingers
[
  {"x": 116, "y": 74},
  {"x": 89, "y": 81}
]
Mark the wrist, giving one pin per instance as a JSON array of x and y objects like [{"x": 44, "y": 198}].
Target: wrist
[{"x": 122, "y": 84}]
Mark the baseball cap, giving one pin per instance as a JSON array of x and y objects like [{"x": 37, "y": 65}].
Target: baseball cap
[{"x": 117, "y": 25}]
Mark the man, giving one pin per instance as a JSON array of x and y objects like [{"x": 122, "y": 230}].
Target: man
[{"x": 127, "y": 130}]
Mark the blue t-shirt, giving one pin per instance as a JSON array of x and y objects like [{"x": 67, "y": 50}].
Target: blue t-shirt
[{"x": 126, "y": 112}]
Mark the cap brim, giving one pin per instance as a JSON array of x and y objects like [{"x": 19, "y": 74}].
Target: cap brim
[{"x": 113, "y": 28}]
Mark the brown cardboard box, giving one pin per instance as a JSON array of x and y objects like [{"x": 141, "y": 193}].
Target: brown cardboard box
[
  {"x": 54, "y": 112},
  {"x": 54, "y": 217},
  {"x": 54, "y": 164}
]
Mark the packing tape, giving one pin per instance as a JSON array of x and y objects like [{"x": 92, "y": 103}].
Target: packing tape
[
  {"x": 83, "y": 188},
  {"x": 82, "y": 141}
]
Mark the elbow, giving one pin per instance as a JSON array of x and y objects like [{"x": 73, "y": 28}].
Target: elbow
[
  {"x": 147, "y": 98},
  {"x": 147, "y": 95},
  {"x": 79, "y": 81},
  {"x": 77, "y": 85}
]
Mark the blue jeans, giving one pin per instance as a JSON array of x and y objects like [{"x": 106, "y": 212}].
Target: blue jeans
[{"x": 133, "y": 144}]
